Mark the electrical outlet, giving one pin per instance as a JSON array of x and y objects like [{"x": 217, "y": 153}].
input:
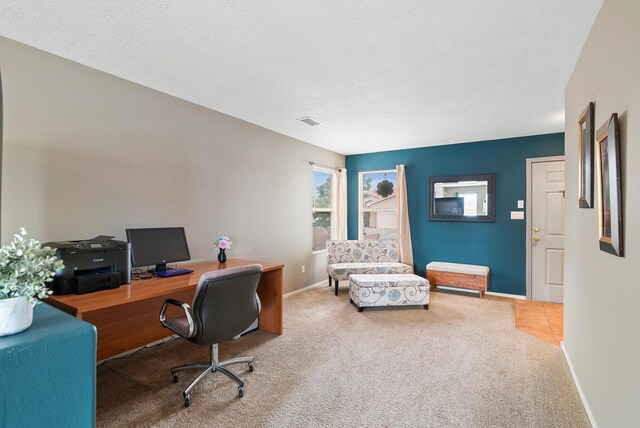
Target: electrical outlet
[
  {"x": 303, "y": 269},
  {"x": 520, "y": 204}
]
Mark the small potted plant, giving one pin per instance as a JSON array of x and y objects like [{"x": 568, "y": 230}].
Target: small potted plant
[
  {"x": 25, "y": 267},
  {"x": 222, "y": 243}
]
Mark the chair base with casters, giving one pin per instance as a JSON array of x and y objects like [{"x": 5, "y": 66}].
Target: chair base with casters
[{"x": 214, "y": 365}]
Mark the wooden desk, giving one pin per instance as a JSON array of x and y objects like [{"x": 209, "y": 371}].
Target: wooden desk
[{"x": 127, "y": 317}]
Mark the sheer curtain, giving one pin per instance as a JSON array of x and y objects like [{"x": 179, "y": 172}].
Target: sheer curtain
[
  {"x": 340, "y": 205},
  {"x": 404, "y": 228}
]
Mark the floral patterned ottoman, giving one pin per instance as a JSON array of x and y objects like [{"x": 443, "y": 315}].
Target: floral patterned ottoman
[{"x": 388, "y": 290}]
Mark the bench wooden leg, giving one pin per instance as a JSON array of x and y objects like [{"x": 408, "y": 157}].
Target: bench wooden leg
[
  {"x": 329, "y": 280},
  {"x": 360, "y": 309},
  {"x": 336, "y": 282},
  {"x": 426, "y": 306}
]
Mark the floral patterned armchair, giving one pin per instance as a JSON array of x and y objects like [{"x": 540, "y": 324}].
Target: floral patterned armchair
[{"x": 345, "y": 258}]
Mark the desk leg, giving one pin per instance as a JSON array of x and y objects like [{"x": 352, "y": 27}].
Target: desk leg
[{"x": 270, "y": 293}]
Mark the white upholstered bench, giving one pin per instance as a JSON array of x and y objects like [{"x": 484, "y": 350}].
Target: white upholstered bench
[
  {"x": 474, "y": 277},
  {"x": 388, "y": 290}
]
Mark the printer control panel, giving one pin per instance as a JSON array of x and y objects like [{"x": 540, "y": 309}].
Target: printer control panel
[
  {"x": 101, "y": 241},
  {"x": 94, "y": 245}
]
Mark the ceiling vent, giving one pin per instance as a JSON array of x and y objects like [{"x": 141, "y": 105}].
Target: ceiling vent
[{"x": 309, "y": 121}]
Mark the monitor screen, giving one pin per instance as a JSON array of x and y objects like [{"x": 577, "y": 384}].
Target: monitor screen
[
  {"x": 158, "y": 246},
  {"x": 449, "y": 206}
]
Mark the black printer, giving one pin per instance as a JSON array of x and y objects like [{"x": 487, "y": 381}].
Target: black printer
[{"x": 91, "y": 265}]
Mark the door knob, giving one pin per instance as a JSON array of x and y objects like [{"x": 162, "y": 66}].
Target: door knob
[
  {"x": 536, "y": 229},
  {"x": 536, "y": 239}
]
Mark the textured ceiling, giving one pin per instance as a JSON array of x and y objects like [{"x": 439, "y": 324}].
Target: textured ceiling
[{"x": 379, "y": 75}]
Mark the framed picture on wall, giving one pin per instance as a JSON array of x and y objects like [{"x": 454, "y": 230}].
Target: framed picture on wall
[
  {"x": 610, "y": 187},
  {"x": 585, "y": 156}
]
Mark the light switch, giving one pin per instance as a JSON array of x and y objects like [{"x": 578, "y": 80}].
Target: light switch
[
  {"x": 517, "y": 215},
  {"x": 520, "y": 204}
]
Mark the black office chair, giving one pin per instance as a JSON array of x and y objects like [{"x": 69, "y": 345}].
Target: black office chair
[{"x": 225, "y": 304}]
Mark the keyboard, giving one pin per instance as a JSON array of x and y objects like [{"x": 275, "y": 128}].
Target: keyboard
[{"x": 173, "y": 272}]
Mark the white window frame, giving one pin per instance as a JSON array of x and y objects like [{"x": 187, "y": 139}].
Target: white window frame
[
  {"x": 330, "y": 210},
  {"x": 361, "y": 199}
]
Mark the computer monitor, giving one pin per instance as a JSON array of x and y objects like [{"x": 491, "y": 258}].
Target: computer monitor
[
  {"x": 449, "y": 206},
  {"x": 158, "y": 246}
]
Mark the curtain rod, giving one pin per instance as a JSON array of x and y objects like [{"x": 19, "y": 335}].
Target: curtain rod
[
  {"x": 377, "y": 169},
  {"x": 335, "y": 168}
]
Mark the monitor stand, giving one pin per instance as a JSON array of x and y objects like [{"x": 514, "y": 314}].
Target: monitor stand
[{"x": 160, "y": 267}]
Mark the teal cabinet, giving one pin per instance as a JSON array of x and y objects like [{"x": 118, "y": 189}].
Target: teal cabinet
[{"x": 49, "y": 373}]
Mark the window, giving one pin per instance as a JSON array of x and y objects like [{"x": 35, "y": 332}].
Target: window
[
  {"x": 322, "y": 207},
  {"x": 378, "y": 205}
]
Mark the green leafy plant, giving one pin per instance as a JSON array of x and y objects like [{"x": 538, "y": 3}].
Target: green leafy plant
[{"x": 25, "y": 267}]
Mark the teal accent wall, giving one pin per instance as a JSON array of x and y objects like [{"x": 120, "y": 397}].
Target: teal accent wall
[
  {"x": 499, "y": 245},
  {"x": 49, "y": 372}
]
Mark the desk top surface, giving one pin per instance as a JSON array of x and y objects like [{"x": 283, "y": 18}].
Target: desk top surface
[{"x": 148, "y": 288}]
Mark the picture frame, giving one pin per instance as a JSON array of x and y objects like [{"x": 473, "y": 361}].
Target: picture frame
[
  {"x": 439, "y": 205},
  {"x": 610, "y": 187},
  {"x": 585, "y": 156}
]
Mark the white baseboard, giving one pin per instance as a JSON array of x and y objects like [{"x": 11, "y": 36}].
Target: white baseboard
[
  {"x": 580, "y": 392},
  {"x": 129, "y": 353},
  {"x": 324, "y": 283},
  {"x": 511, "y": 296}
]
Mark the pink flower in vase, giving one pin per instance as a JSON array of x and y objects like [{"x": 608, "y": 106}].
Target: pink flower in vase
[{"x": 223, "y": 243}]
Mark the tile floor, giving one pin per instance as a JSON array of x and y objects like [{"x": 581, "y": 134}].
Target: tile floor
[{"x": 540, "y": 319}]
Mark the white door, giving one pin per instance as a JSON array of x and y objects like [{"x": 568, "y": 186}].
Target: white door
[{"x": 547, "y": 231}]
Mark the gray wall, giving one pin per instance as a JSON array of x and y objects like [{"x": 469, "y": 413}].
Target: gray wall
[
  {"x": 602, "y": 296},
  {"x": 87, "y": 153}
]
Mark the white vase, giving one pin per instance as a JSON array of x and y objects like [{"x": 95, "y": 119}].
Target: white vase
[{"x": 16, "y": 315}]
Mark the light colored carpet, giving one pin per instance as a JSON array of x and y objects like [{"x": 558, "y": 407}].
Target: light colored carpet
[{"x": 459, "y": 364}]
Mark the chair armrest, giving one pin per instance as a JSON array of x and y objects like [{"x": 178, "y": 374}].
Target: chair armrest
[{"x": 187, "y": 312}]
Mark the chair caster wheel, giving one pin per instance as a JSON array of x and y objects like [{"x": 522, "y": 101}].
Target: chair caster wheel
[
  {"x": 240, "y": 392},
  {"x": 175, "y": 377},
  {"x": 250, "y": 367},
  {"x": 187, "y": 401}
]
